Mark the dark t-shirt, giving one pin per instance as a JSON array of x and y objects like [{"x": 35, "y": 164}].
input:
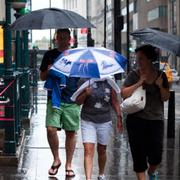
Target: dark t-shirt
[
  {"x": 49, "y": 58},
  {"x": 97, "y": 106},
  {"x": 71, "y": 82},
  {"x": 154, "y": 105}
]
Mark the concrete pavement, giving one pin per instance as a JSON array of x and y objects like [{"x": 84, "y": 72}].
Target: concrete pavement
[{"x": 37, "y": 157}]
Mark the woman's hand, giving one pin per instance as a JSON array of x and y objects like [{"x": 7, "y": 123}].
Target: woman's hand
[
  {"x": 165, "y": 94},
  {"x": 142, "y": 80},
  {"x": 159, "y": 81},
  {"x": 88, "y": 91},
  {"x": 82, "y": 97}
]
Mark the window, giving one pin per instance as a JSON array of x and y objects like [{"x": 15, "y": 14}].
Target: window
[
  {"x": 124, "y": 10},
  {"x": 135, "y": 6},
  {"x": 160, "y": 11},
  {"x": 153, "y": 14},
  {"x": 173, "y": 17},
  {"x": 2, "y": 12}
]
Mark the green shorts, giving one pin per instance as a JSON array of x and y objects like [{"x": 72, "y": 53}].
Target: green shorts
[{"x": 67, "y": 117}]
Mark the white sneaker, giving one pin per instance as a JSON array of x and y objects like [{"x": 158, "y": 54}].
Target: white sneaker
[{"x": 101, "y": 177}]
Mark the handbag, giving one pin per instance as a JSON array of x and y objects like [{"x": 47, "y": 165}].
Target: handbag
[{"x": 136, "y": 102}]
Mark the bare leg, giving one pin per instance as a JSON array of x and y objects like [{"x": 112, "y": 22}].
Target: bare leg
[
  {"x": 70, "y": 147},
  {"x": 54, "y": 146},
  {"x": 101, "y": 149},
  {"x": 141, "y": 175},
  {"x": 88, "y": 159}
]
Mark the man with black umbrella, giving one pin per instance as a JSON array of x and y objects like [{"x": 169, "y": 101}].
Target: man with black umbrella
[{"x": 67, "y": 117}]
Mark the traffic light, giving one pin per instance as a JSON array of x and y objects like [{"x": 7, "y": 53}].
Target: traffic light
[
  {"x": 119, "y": 23},
  {"x": 130, "y": 49},
  {"x": 20, "y": 12},
  {"x": 24, "y": 11}
]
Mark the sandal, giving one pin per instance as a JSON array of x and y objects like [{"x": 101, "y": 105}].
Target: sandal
[
  {"x": 54, "y": 168},
  {"x": 70, "y": 173}
]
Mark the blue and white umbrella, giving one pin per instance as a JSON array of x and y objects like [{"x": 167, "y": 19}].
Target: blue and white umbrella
[{"x": 90, "y": 62}]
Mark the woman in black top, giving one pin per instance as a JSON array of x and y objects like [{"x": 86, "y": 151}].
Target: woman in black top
[{"x": 145, "y": 128}]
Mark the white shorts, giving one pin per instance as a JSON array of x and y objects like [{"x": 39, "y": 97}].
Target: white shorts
[{"x": 96, "y": 132}]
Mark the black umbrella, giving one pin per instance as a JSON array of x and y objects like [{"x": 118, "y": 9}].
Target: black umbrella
[
  {"x": 162, "y": 40},
  {"x": 51, "y": 18}
]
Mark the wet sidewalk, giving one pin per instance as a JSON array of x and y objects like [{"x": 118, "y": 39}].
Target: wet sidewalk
[{"x": 37, "y": 157}]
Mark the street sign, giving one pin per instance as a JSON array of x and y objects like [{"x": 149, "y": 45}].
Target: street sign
[
  {"x": 84, "y": 30},
  {"x": 2, "y": 11}
]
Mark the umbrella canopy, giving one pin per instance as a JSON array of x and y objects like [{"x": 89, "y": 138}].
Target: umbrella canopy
[
  {"x": 90, "y": 62},
  {"x": 51, "y": 18},
  {"x": 162, "y": 40}
]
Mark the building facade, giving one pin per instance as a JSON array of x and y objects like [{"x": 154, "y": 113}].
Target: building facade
[
  {"x": 174, "y": 27},
  {"x": 80, "y": 7},
  {"x": 159, "y": 14},
  {"x": 101, "y": 15}
]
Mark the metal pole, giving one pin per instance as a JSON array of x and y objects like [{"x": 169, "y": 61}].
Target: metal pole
[
  {"x": 18, "y": 51},
  {"x": 105, "y": 2},
  {"x": 87, "y": 9},
  {"x": 30, "y": 31},
  {"x": 117, "y": 31},
  {"x": 26, "y": 50},
  {"x": 90, "y": 41},
  {"x": 9, "y": 126},
  {"x": 171, "y": 116},
  {"x": 87, "y": 16},
  {"x": 7, "y": 40},
  {"x": 50, "y": 37},
  {"x": 75, "y": 38},
  {"x": 127, "y": 21},
  {"x": 24, "y": 81},
  {"x": 18, "y": 46}
]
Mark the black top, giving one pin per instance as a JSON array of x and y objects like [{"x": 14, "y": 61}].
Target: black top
[
  {"x": 154, "y": 105},
  {"x": 97, "y": 106},
  {"x": 71, "y": 82},
  {"x": 49, "y": 58}
]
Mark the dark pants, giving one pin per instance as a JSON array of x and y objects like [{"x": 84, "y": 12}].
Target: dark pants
[{"x": 146, "y": 142}]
